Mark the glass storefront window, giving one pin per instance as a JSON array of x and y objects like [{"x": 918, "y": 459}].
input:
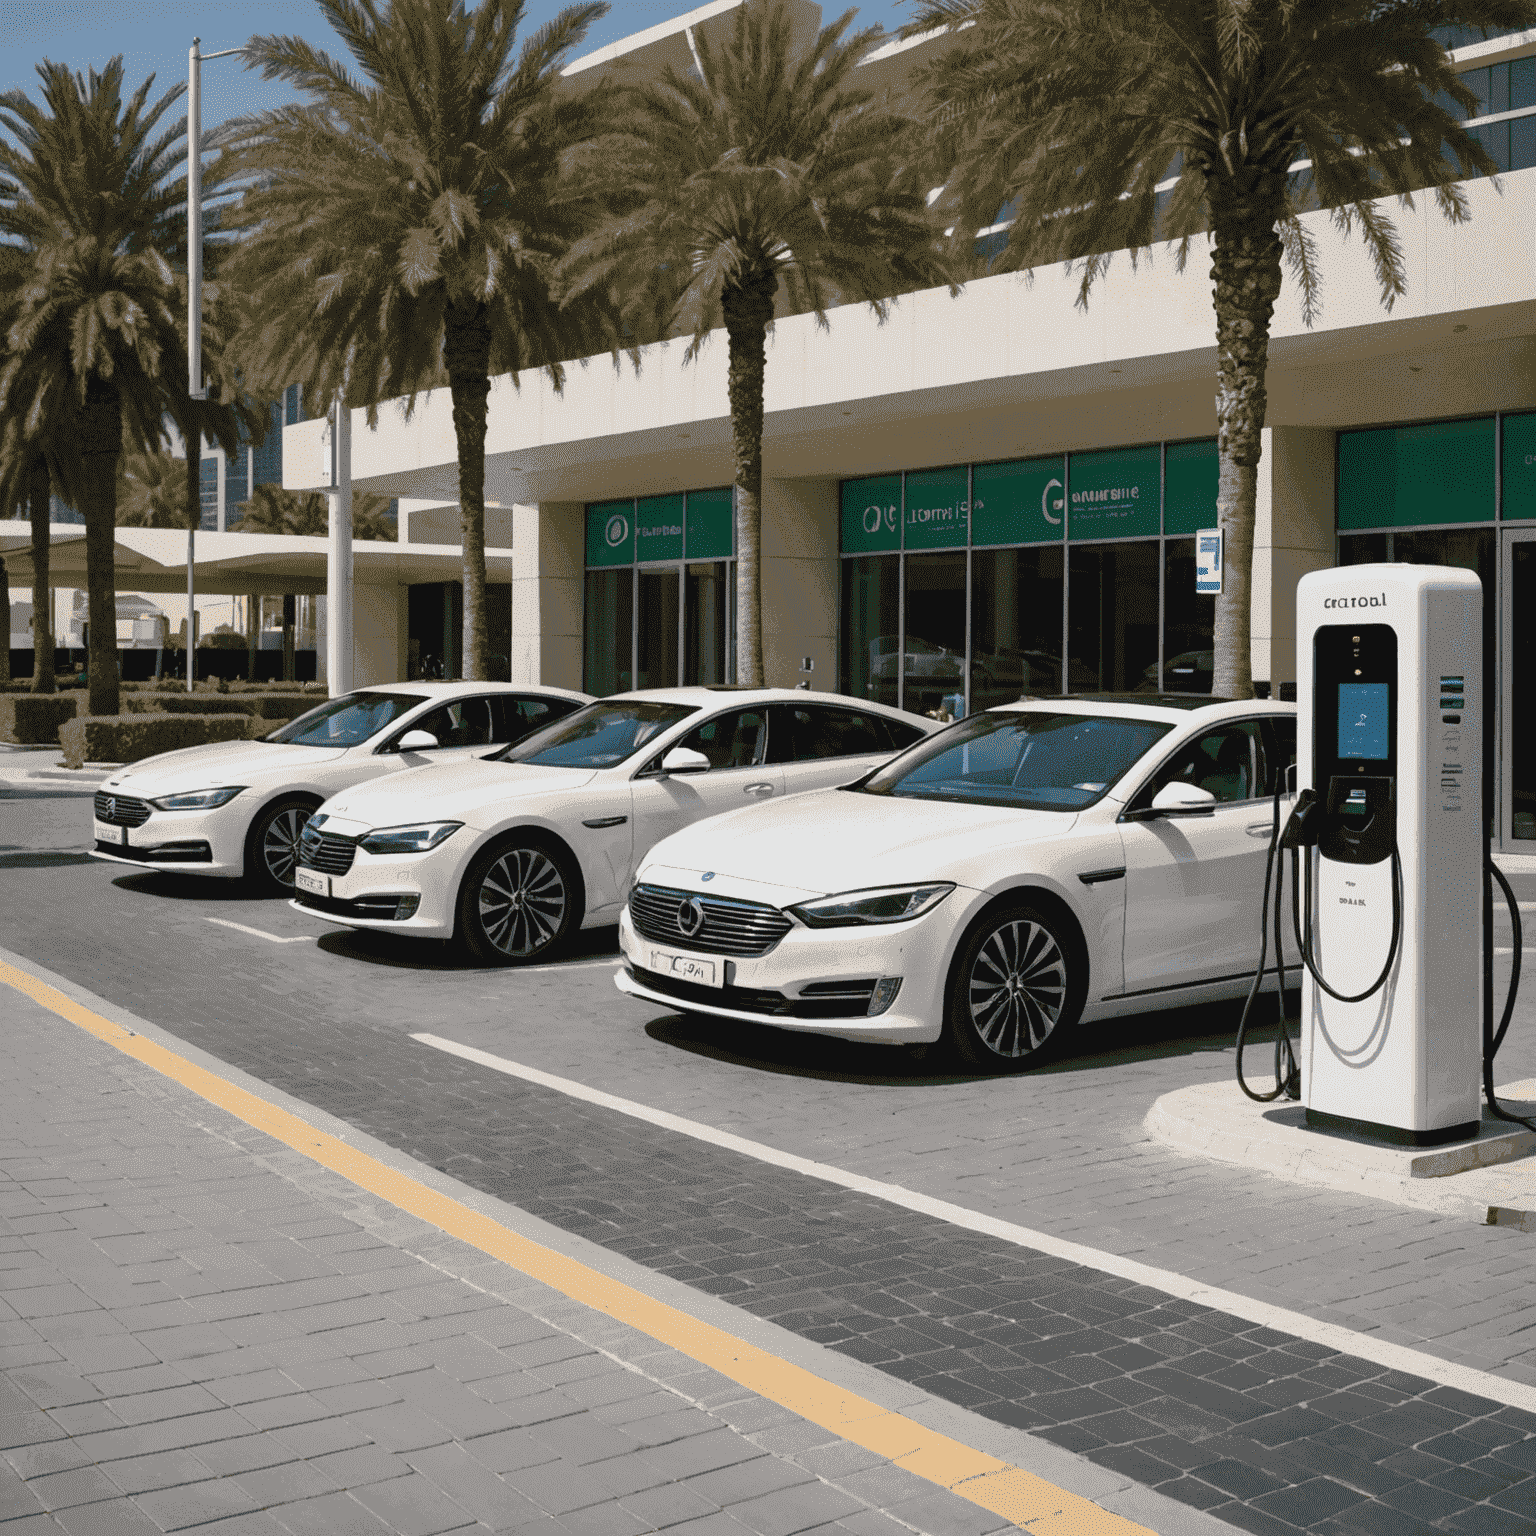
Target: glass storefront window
[
  {"x": 1015, "y": 624},
  {"x": 608, "y": 631},
  {"x": 1189, "y": 621},
  {"x": 656, "y": 636},
  {"x": 705, "y": 623},
  {"x": 871, "y": 613},
  {"x": 1429, "y": 473},
  {"x": 933, "y": 656},
  {"x": 1112, "y": 617}
]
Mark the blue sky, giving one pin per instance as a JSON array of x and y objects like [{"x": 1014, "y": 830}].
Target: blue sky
[{"x": 154, "y": 35}]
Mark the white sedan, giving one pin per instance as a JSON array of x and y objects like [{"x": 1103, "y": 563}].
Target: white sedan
[
  {"x": 514, "y": 852},
  {"x": 1036, "y": 865},
  {"x": 238, "y": 807}
]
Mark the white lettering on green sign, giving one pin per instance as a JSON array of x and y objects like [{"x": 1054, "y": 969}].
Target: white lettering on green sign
[{"x": 874, "y": 516}]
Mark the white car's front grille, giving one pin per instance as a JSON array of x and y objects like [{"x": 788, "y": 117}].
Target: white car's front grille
[
  {"x": 325, "y": 852},
  {"x": 712, "y": 925},
  {"x": 121, "y": 810}
]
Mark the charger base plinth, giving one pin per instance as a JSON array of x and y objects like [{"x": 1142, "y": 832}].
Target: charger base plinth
[{"x": 1392, "y": 1135}]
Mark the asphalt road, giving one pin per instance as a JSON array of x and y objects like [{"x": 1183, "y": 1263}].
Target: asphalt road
[{"x": 328, "y": 1015}]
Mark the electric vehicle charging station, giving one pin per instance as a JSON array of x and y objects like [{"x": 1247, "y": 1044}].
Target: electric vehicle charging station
[{"x": 1389, "y": 821}]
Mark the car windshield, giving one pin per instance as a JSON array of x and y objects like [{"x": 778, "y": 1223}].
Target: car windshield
[
  {"x": 1028, "y": 759},
  {"x": 598, "y": 736},
  {"x": 348, "y": 721}
]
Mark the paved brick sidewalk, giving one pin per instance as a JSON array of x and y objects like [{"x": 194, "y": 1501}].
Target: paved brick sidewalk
[{"x": 188, "y": 1338}]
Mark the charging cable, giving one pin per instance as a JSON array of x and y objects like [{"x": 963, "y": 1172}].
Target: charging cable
[
  {"x": 1494, "y": 1038},
  {"x": 1287, "y": 1072},
  {"x": 1304, "y": 935}
]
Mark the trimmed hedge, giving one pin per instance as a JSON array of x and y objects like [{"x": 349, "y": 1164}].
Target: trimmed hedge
[
  {"x": 34, "y": 719},
  {"x": 128, "y": 738},
  {"x": 270, "y": 707}
]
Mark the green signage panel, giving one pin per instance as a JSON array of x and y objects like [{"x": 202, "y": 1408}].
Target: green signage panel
[
  {"x": 936, "y": 509},
  {"x": 611, "y": 533},
  {"x": 1189, "y": 486},
  {"x": 1520, "y": 466},
  {"x": 1021, "y": 502},
  {"x": 1114, "y": 495},
  {"x": 1410, "y": 477},
  {"x": 659, "y": 527},
  {"x": 711, "y": 527},
  {"x": 871, "y": 515}
]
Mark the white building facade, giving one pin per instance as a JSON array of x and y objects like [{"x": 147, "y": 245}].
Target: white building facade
[{"x": 999, "y": 491}]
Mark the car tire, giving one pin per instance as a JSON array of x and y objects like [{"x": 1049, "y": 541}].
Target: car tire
[
  {"x": 1017, "y": 988},
  {"x": 272, "y": 844},
  {"x": 519, "y": 902}
]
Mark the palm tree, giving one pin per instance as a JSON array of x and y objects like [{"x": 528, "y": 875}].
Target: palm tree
[
  {"x": 272, "y": 509},
  {"x": 97, "y": 335},
  {"x": 769, "y": 179},
  {"x": 405, "y": 226},
  {"x": 152, "y": 492},
  {"x": 1106, "y": 125}
]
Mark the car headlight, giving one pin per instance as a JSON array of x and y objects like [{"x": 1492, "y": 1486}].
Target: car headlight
[
  {"x": 886, "y": 904},
  {"x": 199, "y": 799},
  {"x": 417, "y": 838}
]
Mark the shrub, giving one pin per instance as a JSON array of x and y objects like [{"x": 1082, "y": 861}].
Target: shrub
[
  {"x": 185, "y": 704},
  {"x": 128, "y": 738},
  {"x": 34, "y": 719}
]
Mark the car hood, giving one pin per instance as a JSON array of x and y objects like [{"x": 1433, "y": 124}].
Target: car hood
[
  {"x": 472, "y": 792},
  {"x": 834, "y": 840},
  {"x": 220, "y": 762}
]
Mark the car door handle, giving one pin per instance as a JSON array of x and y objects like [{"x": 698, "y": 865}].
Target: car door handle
[
  {"x": 597, "y": 823},
  {"x": 1260, "y": 828},
  {"x": 758, "y": 789}
]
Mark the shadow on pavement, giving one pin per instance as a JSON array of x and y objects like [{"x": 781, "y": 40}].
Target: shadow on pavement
[
  {"x": 374, "y": 947},
  {"x": 41, "y": 858},
  {"x": 1209, "y": 1027},
  {"x": 163, "y": 883}
]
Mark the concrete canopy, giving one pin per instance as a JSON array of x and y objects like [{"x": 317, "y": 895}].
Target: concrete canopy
[{"x": 155, "y": 560}]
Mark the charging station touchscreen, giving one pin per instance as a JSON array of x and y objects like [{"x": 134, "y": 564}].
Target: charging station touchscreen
[{"x": 1363, "y": 716}]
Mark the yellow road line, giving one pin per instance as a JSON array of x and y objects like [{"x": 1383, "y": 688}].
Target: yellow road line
[{"x": 995, "y": 1485}]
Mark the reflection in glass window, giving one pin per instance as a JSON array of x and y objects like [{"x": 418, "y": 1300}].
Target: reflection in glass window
[
  {"x": 656, "y": 658},
  {"x": 729, "y": 741},
  {"x": 598, "y": 736},
  {"x": 1015, "y": 624},
  {"x": 1112, "y": 618},
  {"x": 705, "y": 623},
  {"x": 933, "y": 663},
  {"x": 1027, "y": 759},
  {"x": 609, "y": 637},
  {"x": 1189, "y": 623},
  {"x": 348, "y": 721},
  {"x": 871, "y": 608}
]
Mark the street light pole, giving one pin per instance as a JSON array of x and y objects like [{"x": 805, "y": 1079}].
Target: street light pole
[{"x": 195, "y": 390}]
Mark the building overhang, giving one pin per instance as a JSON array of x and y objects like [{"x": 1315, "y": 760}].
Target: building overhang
[{"x": 260, "y": 564}]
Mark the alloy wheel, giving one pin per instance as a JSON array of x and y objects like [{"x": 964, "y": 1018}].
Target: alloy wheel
[
  {"x": 1017, "y": 988},
  {"x": 522, "y": 901},
  {"x": 280, "y": 842}
]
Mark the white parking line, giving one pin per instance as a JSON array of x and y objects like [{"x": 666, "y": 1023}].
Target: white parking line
[
  {"x": 1395, "y": 1357},
  {"x": 271, "y": 938},
  {"x": 611, "y": 961}
]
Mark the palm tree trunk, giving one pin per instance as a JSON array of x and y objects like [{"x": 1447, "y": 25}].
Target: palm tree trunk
[
  {"x": 38, "y": 495},
  {"x": 101, "y": 442},
  {"x": 5, "y": 608},
  {"x": 748, "y": 313},
  {"x": 1246, "y": 276},
  {"x": 467, "y": 354}
]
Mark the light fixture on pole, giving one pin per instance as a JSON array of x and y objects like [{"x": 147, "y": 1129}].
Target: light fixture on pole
[{"x": 195, "y": 390}]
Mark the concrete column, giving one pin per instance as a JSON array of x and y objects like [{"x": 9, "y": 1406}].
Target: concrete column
[
  {"x": 800, "y": 581},
  {"x": 338, "y": 561},
  {"x": 1293, "y": 534},
  {"x": 379, "y": 627},
  {"x": 547, "y": 593}
]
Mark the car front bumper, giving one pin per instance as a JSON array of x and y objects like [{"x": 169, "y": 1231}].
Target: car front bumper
[
  {"x": 410, "y": 893},
  {"x": 788, "y": 987},
  {"x": 191, "y": 842}
]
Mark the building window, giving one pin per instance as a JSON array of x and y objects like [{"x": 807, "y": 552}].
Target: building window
[
  {"x": 971, "y": 586},
  {"x": 659, "y": 598}
]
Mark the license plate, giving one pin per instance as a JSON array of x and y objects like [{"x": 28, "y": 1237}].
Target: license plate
[
  {"x": 703, "y": 973},
  {"x": 308, "y": 880}
]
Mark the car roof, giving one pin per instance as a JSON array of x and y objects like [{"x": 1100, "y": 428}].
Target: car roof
[
  {"x": 430, "y": 689},
  {"x": 1171, "y": 707},
  {"x": 718, "y": 695}
]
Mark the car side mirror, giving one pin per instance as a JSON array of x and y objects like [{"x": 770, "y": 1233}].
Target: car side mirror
[
  {"x": 1183, "y": 800},
  {"x": 417, "y": 741},
  {"x": 684, "y": 760}
]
